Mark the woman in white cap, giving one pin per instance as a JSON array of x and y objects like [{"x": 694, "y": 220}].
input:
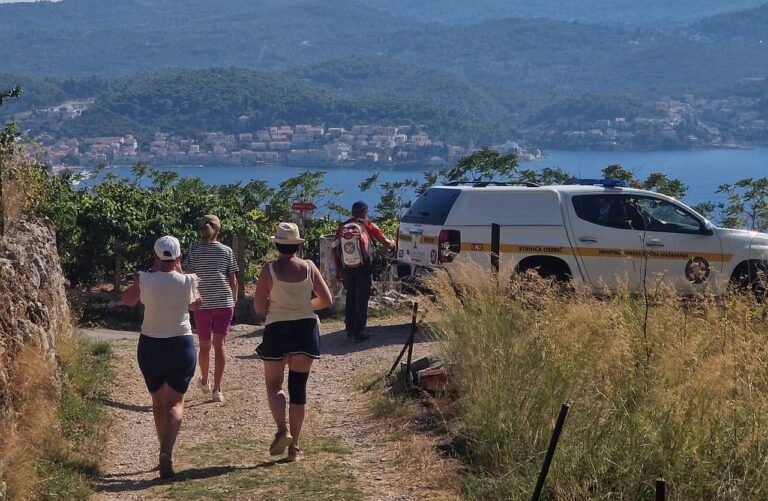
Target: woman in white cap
[
  {"x": 166, "y": 350},
  {"x": 217, "y": 268},
  {"x": 291, "y": 333}
]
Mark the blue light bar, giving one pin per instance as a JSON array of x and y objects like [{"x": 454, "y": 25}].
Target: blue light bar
[{"x": 608, "y": 183}]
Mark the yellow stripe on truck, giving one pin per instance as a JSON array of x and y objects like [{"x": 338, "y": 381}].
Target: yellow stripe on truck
[{"x": 592, "y": 252}]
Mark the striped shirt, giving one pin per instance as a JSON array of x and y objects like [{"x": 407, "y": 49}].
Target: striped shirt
[{"x": 213, "y": 263}]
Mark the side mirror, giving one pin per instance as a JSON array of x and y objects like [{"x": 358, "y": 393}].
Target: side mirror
[{"x": 706, "y": 229}]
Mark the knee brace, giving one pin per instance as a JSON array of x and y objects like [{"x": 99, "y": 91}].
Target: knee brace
[{"x": 297, "y": 387}]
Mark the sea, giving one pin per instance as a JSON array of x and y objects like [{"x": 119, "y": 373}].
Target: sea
[{"x": 702, "y": 170}]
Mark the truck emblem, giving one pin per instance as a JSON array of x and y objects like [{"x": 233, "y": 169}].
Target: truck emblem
[{"x": 697, "y": 270}]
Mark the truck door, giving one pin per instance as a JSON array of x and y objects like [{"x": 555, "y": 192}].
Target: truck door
[
  {"x": 680, "y": 253},
  {"x": 604, "y": 240}
]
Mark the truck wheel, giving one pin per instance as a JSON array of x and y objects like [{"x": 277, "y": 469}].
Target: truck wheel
[{"x": 751, "y": 277}]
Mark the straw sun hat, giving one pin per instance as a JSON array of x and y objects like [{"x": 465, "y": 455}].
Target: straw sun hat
[{"x": 287, "y": 233}]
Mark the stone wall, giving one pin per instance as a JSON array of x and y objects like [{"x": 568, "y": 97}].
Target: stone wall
[{"x": 33, "y": 303}]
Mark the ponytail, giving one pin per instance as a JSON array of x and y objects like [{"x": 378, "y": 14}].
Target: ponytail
[{"x": 206, "y": 231}]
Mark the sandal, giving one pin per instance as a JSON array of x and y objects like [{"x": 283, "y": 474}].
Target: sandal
[
  {"x": 165, "y": 466},
  {"x": 281, "y": 441},
  {"x": 293, "y": 453}
]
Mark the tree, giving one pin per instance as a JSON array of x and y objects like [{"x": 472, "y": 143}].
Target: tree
[
  {"x": 483, "y": 165},
  {"x": 656, "y": 181},
  {"x": 7, "y": 137}
]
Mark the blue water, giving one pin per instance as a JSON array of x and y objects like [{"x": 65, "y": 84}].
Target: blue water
[{"x": 703, "y": 171}]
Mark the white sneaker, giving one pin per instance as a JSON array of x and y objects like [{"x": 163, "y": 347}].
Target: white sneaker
[
  {"x": 218, "y": 396},
  {"x": 205, "y": 388}
]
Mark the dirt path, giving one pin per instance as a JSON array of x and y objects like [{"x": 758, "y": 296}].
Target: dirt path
[{"x": 222, "y": 448}]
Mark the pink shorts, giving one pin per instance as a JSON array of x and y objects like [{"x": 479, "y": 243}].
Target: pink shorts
[{"x": 215, "y": 320}]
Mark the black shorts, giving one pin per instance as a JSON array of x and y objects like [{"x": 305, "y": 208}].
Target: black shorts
[
  {"x": 169, "y": 360},
  {"x": 292, "y": 337}
]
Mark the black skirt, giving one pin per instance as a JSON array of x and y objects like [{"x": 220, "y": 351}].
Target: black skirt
[{"x": 292, "y": 337}]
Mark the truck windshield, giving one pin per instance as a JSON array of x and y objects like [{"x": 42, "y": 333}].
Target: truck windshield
[{"x": 432, "y": 207}]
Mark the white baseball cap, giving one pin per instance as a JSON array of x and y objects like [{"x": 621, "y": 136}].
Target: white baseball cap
[{"x": 167, "y": 248}]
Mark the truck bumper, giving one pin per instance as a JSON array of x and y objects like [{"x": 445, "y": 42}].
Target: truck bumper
[{"x": 402, "y": 270}]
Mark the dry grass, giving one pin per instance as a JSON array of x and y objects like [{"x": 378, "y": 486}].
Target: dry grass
[
  {"x": 52, "y": 434},
  {"x": 26, "y": 428},
  {"x": 23, "y": 184},
  {"x": 686, "y": 398}
]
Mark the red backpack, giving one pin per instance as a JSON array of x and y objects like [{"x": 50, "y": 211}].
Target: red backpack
[{"x": 352, "y": 245}]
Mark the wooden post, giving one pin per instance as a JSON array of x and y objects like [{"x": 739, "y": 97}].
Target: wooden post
[
  {"x": 550, "y": 451},
  {"x": 238, "y": 245},
  {"x": 118, "y": 269},
  {"x": 2, "y": 200},
  {"x": 495, "y": 251}
]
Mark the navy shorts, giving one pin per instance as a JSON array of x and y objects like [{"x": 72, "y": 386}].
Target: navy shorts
[
  {"x": 291, "y": 337},
  {"x": 169, "y": 360}
]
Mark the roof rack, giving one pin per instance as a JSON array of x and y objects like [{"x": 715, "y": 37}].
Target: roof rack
[
  {"x": 483, "y": 184},
  {"x": 607, "y": 183}
]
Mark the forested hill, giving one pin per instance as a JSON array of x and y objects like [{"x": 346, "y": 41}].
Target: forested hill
[
  {"x": 650, "y": 13},
  {"x": 363, "y": 77},
  {"x": 194, "y": 101},
  {"x": 543, "y": 56},
  {"x": 750, "y": 25}
]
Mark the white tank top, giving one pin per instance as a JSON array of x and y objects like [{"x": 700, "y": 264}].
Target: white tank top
[
  {"x": 290, "y": 300},
  {"x": 166, "y": 298}
]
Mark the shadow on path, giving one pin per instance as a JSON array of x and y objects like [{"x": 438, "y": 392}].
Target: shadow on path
[
  {"x": 117, "y": 482},
  {"x": 126, "y": 407}
]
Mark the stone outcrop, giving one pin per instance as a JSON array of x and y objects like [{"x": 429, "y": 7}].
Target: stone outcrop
[{"x": 33, "y": 303}]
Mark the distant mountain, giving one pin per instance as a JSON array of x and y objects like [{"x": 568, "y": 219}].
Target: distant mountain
[
  {"x": 193, "y": 101},
  {"x": 649, "y": 13},
  {"x": 521, "y": 56},
  {"x": 83, "y": 37},
  {"x": 547, "y": 56},
  {"x": 366, "y": 77},
  {"x": 750, "y": 25}
]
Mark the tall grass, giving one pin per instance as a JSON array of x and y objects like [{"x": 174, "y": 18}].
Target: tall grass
[
  {"x": 53, "y": 432},
  {"x": 694, "y": 412}
]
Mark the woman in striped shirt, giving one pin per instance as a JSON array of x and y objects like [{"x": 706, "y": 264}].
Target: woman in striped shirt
[{"x": 214, "y": 263}]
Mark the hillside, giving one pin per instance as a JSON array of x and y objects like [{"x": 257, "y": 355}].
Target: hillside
[
  {"x": 193, "y": 101},
  {"x": 528, "y": 55},
  {"x": 363, "y": 77},
  {"x": 750, "y": 25},
  {"x": 650, "y": 13}
]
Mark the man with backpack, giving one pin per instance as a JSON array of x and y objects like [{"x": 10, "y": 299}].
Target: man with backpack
[{"x": 352, "y": 250}]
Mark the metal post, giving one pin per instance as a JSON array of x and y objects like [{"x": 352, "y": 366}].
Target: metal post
[
  {"x": 495, "y": 247},
  {"x": 661, "y": 489},
  {"x": 409, "y": 343},
  {"x": 550, "y": 451}
]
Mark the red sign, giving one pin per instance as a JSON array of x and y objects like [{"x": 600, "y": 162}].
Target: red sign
[{"x": 303, "y": 206}]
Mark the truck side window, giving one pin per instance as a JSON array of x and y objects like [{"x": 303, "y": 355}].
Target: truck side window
[
  {"x": 605, "y": 210},
  {"x": 661, "y": 215}
]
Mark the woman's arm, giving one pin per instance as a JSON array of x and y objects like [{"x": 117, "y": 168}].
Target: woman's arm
[
  {"x": 261, "y": 296},
  {"x": 198, "y": 300},
  {"x": 233, "y": 285},
  {"x": 132, "y": 294},
  {"x": 323, "y": 298}
]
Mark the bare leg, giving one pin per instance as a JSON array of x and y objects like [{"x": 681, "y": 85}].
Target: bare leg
[
  {"x": 273, "y": 376},
  {"x": 158, "y": 413},
  {"x": 174, "y": 402},
  {"x": 220, "y": 355},
  {"x": 297, "y": 363},
  {"x": 204, "y": 359}
]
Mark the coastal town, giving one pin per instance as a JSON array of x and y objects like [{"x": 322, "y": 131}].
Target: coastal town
[{"x": 669, "y": 123}]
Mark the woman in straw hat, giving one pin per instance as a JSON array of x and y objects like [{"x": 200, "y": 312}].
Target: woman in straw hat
[
  {"x": 166, "y": 350},
  {"x": 291, "y": 335}
]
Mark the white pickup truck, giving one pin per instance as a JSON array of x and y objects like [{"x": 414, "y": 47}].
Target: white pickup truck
[{"x": 604, "y": 236}]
